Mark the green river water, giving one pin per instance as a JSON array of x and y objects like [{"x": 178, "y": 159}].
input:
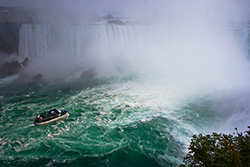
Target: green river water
[{"x": 123, "y": 121}]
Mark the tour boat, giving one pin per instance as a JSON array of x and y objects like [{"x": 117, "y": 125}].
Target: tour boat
[{"x": 50, "y": 116}]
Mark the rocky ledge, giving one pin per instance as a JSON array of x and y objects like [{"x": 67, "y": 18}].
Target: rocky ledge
[{"x": 12, "y": 67}]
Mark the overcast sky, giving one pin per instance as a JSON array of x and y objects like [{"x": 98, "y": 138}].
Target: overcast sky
[{"x": 224, "y": 9}]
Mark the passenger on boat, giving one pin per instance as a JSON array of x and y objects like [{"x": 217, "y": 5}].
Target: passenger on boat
[
  {"x": 49, "y": 113},
  {"x": 54, "y": 112}
]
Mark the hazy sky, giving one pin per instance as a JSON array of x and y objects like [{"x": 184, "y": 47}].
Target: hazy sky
[{"x": 233, "y": 9}]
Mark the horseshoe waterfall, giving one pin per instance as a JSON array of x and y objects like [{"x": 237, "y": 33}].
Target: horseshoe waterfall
[{"x": 135, "y": 92}]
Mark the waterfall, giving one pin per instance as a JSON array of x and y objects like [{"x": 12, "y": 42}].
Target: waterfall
[
  {"x": 101, "y": 46},
  {"x": 37, "y": 40},
  {"x": 178, "y": 53}
]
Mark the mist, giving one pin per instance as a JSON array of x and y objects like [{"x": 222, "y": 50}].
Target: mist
[
  {"x": 190, "y": 39},
  {"x": 195, "y": 46}
]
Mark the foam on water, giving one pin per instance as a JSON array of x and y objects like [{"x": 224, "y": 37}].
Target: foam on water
[{"x": 137, "y": 119}]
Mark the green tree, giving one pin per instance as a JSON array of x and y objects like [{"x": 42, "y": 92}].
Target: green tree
[
  {"x": 243, "y": 147},
  {"x": 219, "y": 150}
]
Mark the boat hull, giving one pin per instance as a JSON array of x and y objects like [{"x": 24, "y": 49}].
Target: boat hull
[{"x": 52, "y": 120}]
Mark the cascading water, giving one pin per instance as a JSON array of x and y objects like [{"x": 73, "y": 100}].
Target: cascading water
[
  {"x": 81, "y": 40},
  {"x": 169, "y": 84},
  {"x": 93, "y": 45}
]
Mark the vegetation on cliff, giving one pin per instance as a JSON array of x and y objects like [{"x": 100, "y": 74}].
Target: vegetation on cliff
[{"x": 219, "y": 150}]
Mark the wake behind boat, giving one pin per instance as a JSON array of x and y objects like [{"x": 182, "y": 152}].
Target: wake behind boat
[{"x": 50, "y": 116}]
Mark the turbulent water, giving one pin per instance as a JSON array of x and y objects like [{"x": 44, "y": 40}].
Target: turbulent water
[
  {"x": 123, "y": 119},
  {"x": 118, "y": 122}
]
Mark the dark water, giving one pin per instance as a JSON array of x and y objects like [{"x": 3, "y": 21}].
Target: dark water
[{"x": 112, "y": 122}]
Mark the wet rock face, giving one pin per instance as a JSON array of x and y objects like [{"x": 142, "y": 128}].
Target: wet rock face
[
  {"x": 37, "y": 77},
  {"x": 26, "y": 62},
  {"x": 10, "y": 68},
  {"x": 13, "y": 67},
  {"x": 89, "y": 74},
  {"x": 9, "y": 37},
  {"x": 116, "y": 21},
  {"x": 25, "y": 77}
]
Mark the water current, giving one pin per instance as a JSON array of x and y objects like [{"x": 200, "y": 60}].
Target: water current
[
  {"x": 112, "y": 122},
  {"x": 126, "y": 119}
]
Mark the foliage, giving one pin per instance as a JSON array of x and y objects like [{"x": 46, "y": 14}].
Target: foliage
[{"x": 219, "y": 150}]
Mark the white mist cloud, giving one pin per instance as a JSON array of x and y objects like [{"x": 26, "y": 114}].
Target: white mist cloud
[
  {"x": 195, "y": 41},
  {"x": 190, "y": 40}
]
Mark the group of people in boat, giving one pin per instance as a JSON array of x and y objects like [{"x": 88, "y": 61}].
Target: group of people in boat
[{"x": 50, "y": 113}]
